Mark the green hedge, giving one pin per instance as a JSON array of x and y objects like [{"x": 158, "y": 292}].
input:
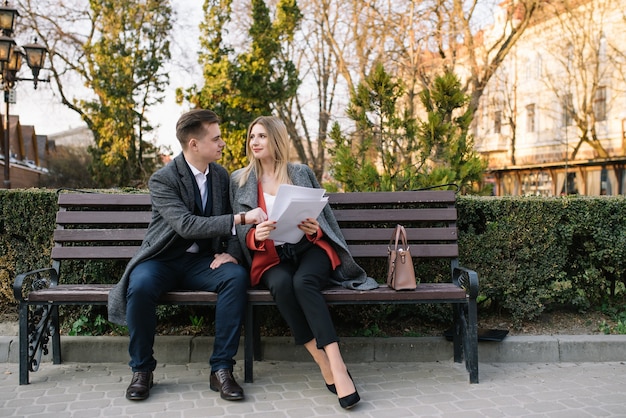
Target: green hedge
[
  {"x": 531, "y": 253},
  {"x": 27, "y": 221},
  {"x": 536, "y": 253}
]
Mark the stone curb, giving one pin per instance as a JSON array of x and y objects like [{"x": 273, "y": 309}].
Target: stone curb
[{"x": 189, "y": 349}]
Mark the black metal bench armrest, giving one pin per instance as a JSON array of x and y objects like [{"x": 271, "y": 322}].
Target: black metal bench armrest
[
  {"x": 39, "y": 279},
  {"x": 467, "y": 279}
]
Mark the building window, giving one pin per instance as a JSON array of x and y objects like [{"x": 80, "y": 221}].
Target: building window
[
  {"x": 567, "y": 115},
  {"x": 599, "y": 104},
  {"x": 569, "y": 186},
  {"x": 497, "y": 122},
  {"x": 530, "y": 118}
]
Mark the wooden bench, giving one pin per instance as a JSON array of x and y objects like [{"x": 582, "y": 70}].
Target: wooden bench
[{"x": 98, "y": 226}]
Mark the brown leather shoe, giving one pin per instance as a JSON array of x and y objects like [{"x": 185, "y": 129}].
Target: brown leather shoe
[
  {"x": 139, "y": 388},
  {"x": 222, "y": 381}
]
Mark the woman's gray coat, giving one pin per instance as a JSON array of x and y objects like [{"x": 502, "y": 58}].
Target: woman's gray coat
[{"x": 348, "y": 274}]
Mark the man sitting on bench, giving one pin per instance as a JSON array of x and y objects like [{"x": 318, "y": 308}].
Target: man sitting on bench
[{"x": 189, "y": 245}]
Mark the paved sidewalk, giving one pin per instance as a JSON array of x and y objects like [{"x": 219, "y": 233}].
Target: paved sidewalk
[{"x": 296, "y": 389}]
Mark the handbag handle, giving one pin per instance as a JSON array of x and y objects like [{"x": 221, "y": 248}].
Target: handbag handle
[{"x": 400, "y": 237}]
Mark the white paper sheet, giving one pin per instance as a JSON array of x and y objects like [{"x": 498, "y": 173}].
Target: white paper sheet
[{"x": 293, "y": 205}]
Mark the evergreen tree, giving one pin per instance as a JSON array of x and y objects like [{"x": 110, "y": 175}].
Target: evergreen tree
[
  {"x": 382, "y": 138},
  {"x": 391, "y": 152},
  {"x": 449, "y": 156}
]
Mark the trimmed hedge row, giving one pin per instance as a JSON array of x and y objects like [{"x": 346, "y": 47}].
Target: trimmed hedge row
[
  {"x": 531, "y": 253},
  {"x": 535, "y": 253}
]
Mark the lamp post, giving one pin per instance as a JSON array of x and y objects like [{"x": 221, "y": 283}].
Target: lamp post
[
  {"x": 11, "y": 56},
  {"x": 566, "y": 158}
]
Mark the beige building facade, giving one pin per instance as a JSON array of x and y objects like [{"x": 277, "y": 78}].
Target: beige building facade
[{"x": 552, "y": 120}]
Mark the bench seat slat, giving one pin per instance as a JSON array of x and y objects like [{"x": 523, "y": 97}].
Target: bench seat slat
[
  {"x": 90, "y": 293},
  {"x": 424, "y": 292},
  {"x": 98, "y": 293}
]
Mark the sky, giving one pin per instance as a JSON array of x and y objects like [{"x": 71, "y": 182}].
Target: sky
[{"x": 42, "y": 107}]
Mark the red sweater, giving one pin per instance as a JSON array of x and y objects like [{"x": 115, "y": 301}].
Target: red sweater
[{"x": 264, "y": 255}]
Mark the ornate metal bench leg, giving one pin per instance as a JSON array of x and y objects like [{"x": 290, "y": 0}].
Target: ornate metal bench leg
[
  {"x": 23, "y": 341},
  {"x": 37, "y": 322},
  {"x": 458, "y": 332},
  {"x": 34, "y": 338},
  {"x": 39, "y": 334},
  {"x": 468, "y": 280},
  {"x": 471, "y": 353},
  {"x": 56, "y": 336}
]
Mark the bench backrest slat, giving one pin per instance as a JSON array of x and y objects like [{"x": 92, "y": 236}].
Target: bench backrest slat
[
  {"x": 430, "y": 251},
  {"x": 396, "y": 215},
  {"x": 95, "y": 200},
  {"x": 422, "y": 196},
  {"x": 118, "y": 252},
  {"x": 413, "y": 234},
  {"x": 99, "y": 235},
  {"x": 103, "y": 217},
  {"x": 111, "y": 226}
]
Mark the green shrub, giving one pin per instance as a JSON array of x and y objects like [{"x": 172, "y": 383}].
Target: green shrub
[{"x": 536, "y": 253}]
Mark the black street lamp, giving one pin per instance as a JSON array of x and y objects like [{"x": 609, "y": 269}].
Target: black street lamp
[{"x": 11, "y": 56}]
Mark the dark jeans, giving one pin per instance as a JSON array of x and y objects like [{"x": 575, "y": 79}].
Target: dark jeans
[
  {"x": 295, "y": 285},
  {"x": 152, "y": 278}
]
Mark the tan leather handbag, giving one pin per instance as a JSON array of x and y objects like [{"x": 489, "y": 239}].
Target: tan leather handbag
[{"x": 401, "y": 273}]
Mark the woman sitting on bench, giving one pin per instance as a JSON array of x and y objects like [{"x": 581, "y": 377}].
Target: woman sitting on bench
[{"x": 296, "y": 273}]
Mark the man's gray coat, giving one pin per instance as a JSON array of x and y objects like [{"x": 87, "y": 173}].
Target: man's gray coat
[{"x": 173, "y": 199}]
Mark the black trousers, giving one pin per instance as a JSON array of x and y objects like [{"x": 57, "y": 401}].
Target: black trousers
[{"x": 295, "y": 285}]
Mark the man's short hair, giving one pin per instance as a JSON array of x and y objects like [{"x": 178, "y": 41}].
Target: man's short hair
[{"x": 191, "y": 124}]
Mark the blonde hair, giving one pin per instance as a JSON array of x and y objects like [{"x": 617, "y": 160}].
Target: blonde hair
[{"x": 278, "y": 144}]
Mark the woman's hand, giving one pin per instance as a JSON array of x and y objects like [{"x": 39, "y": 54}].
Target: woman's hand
[
  {"x": 309, "y": 226},
  {"x": 262, "y": 231}
]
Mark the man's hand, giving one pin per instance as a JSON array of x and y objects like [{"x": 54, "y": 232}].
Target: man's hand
[
  {"x": 255, "y": 216},
  {"x": 222, "y": 258}
]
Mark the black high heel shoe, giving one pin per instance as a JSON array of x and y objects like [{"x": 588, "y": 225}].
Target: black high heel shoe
[
  {"x": 332, "y": 389},
  {"x": 350, "y": 400}
]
